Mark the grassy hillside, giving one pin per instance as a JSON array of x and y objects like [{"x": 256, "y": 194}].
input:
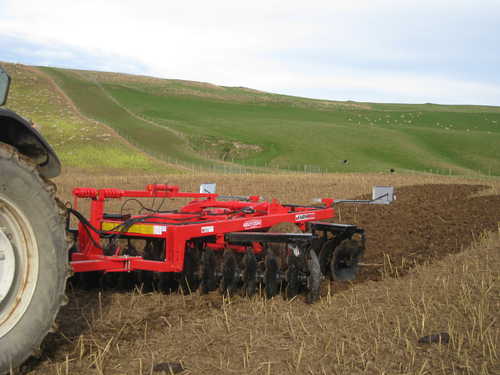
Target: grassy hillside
[
  {"x": 199, "y": 123},
  {"x": 77, "y": 141}
]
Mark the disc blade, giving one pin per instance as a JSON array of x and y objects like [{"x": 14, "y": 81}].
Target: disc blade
[
  {"x": 318, "y": 244},
  {"x": 189, "y": 277},
  {"x": 271, "y": 275},
  {"x": 249, "y": 273},
  {"x": 279, "y": 249},
  {"x": 292, "y": 277},
  {"x": 229, "y": 277},
  {"x": 315, "y": 278},
  {"x": 346, "y": 259},
  {"x": 207, "y": 272},
  {"x": 325, "y": 255}
]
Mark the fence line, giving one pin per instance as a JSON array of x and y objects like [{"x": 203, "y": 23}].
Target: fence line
[{"x": 448, "y": 172}]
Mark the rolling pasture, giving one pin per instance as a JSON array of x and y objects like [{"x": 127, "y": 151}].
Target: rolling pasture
[{"x": 201, "y": 124}]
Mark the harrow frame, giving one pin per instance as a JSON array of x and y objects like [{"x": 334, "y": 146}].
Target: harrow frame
[
  {"x": 184, "y": 242},
  {"x": 205, "y": 219}
]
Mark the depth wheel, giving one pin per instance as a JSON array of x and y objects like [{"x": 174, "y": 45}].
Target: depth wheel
[{"x": 33, "y": 258}]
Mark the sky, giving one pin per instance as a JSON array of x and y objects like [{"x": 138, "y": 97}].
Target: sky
[{"x": 383, "y": 51}]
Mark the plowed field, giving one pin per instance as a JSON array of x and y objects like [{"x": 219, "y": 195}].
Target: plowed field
[
  {"x": 368, "y": 325},
  {"x": 426, "y": 223}
]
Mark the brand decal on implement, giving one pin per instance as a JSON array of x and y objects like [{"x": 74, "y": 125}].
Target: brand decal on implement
[
  {"x": 159, "y": 229},
  {"x": 300, "y": 217},
  {"x": 252, "y": 224},
  {"x": 207, "y": 229}
]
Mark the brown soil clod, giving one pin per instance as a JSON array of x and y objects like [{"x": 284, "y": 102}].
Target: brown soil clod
[{"x": 442, "y": 338}]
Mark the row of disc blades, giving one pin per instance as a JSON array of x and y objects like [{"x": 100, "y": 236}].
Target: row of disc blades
[
  {"x": 338, "y": 261},
  {"x": 251, "y": 276}
]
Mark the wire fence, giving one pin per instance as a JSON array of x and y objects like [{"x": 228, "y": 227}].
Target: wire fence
[{"x": 449, "y": 172}]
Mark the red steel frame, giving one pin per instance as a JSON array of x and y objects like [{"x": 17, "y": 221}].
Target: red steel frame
[{"x": 204, "y": 218}]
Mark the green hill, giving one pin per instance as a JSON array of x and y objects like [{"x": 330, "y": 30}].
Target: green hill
[
  {"x": 78, "y": 141},
  {"x": 200, "y": 123}
]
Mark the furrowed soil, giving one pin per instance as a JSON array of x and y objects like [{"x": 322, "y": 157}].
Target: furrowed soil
[{"x": 432, "y": 265}]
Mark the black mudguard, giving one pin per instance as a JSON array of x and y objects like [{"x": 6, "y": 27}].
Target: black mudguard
[{"x": 21, "y": 133}]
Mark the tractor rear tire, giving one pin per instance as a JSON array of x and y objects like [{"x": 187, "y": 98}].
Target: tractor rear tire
[{"x": 33, "y": 258}]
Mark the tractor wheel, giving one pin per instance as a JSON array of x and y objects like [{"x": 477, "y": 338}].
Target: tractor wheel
[{"x": 33, "y": 258}]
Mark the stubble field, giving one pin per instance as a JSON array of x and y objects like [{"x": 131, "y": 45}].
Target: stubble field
[{"x": 433, "y": 265}]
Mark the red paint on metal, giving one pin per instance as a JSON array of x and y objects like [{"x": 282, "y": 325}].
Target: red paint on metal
[{"x": 204, "y": 219}]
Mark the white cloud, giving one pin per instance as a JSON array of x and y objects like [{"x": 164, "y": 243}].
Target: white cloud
[{"x": 371, "y": 50}]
